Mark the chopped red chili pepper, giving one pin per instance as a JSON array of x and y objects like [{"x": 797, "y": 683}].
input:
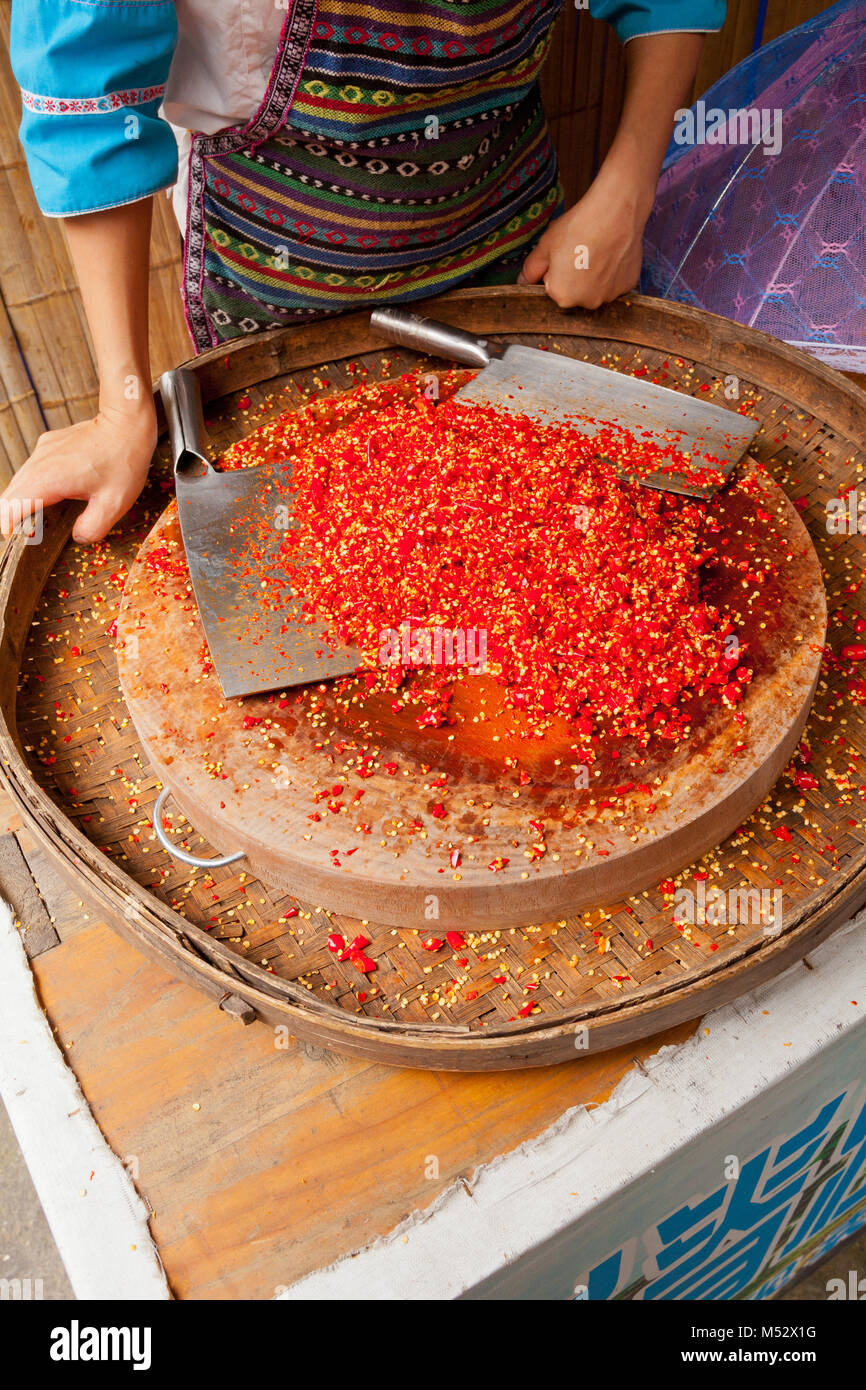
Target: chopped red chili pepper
[{"x": 477, "y": 522}]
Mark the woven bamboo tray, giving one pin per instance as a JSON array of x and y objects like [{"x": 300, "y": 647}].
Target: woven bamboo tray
[{"x": 73, "y": 764}]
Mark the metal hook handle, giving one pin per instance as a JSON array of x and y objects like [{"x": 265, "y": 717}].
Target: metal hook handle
[
  {"x": 181, "y": 399},
  {"x": 428, "y": 335},
  {"x": 182, "y": 854}
]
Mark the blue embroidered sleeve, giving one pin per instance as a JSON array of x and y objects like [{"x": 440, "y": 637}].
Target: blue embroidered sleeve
[
  {"x": 92, "y": 75},
  {"x": 633, "y": 19}
]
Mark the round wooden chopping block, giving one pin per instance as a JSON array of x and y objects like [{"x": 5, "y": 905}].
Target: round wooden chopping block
[{"x": 277, "y": 777}]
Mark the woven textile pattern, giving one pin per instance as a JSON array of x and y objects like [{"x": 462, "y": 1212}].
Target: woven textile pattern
[{"x": 396, "y": 155}]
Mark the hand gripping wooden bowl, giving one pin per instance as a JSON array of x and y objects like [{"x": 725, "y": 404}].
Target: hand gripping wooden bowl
[{"x": 589, "y": 948}]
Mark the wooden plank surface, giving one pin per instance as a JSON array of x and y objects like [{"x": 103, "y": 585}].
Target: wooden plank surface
[
  {"x": 295, "y": 1155},
  {"x": 20, "y": 890}
]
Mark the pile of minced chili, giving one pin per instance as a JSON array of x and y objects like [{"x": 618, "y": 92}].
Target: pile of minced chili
[{"x": 587, "y": 587}]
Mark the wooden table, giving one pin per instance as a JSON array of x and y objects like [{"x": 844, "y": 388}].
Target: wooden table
[
  {"x": 296, "y": 1155},
  {"x": 263, "y": 1160}
]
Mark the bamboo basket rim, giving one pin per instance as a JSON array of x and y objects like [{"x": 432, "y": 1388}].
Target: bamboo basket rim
[{"x": 715, "y": 341}]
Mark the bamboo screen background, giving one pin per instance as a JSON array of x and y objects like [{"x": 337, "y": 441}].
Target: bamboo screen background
[{"x": 47, "y": 376}]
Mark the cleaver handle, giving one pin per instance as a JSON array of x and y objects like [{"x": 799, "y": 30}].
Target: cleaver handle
[
  {"x": 428, "y": 335},
  {"x": 181, "y": 399}
]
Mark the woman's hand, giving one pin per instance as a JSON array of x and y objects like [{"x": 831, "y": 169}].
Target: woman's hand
[
  {"x": 593, "y": 252},
  {"x": 103, "y": 461}
]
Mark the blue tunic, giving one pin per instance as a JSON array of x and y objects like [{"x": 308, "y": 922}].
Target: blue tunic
[{"x": 92, "y": 75}]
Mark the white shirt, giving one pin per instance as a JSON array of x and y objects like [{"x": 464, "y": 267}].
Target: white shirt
[{"x": 220, "y": 71}]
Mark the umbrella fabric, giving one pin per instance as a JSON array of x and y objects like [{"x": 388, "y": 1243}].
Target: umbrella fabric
[{"x": 761, "y": 208}]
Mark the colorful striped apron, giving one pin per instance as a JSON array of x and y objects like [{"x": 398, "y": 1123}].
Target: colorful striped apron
[{"x": 398, "y": 152}]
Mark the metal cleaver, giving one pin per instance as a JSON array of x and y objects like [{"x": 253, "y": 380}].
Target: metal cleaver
[
  {"x": 554, "y": 389},
  {"x": 253, "y": 648}
]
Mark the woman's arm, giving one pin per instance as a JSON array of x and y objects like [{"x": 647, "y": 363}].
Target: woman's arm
[
  {"x": 593, "y": 252},
  {"x": 92, "y": 76},
  {"x": 103, "y": 461}
]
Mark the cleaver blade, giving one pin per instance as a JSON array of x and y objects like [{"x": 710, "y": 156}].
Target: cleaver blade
[
  {"x": 554, "y": 389},
  {"x": 230, "y": 535}
]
